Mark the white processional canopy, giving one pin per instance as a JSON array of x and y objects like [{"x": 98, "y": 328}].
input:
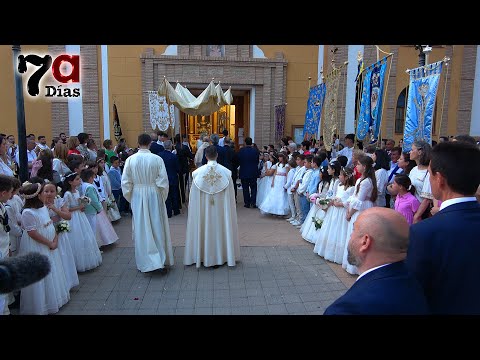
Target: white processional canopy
[{"x": 209, "y": 101}]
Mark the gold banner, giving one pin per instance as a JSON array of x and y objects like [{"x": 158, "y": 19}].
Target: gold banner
[{"x": 330, "y": 123}]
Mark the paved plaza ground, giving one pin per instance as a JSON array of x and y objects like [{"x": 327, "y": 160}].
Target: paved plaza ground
[{"x": 278, "y": 274}]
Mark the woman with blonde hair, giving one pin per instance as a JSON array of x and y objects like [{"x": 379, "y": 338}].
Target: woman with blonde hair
[
  {"x": 72, "y": 143},
  {"x": 5, "y": 164},
  {"x": 60, "y": 153}
]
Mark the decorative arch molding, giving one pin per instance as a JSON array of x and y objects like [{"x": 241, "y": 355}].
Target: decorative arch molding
[
  {"x": 171, "y": 50},
  {"x": 258, "y": 53},
  {"x": 265, "y": 79}
]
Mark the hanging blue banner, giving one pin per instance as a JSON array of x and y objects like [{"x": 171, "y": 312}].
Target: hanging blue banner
[
  {"x": 370, "y": 118},
  {"x": 363, "y": 123},
  {"x": 422, "y": 93},
  {"x": 376, "y": 99},
  {"x": 314, "y": 111}
]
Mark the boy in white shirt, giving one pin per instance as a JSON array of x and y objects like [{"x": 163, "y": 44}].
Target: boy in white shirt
[
  {"x": 302, "y": 188},
  {"x": 297, "y": 178},
  {"x": 291, "y": 174}
]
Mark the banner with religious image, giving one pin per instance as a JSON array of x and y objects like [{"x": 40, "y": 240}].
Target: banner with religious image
[
  {"x": 313, "y": 115},
  {"x": 370, "y": 117},
  {"x": 116, "y": 123},
  {"x": 329, "y": 116},
  {"x": 422, "y": 92},
  {"x": 279, "y": 122},
  {"x": 161, "y": 115}
]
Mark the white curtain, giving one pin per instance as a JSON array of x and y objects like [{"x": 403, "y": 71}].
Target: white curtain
[{"x": 208, "y": 102}]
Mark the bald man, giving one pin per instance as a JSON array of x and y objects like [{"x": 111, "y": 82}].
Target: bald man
[{"x": 378, "y": 247}]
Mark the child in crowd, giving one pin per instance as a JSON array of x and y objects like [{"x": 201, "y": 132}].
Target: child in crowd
[
  {"x": 317, "y": 211},
  {"x": 111, "y": 205},
  {"x": 290, "y": 175},
  {"x": 94, "y": 206},
  {"x": 276, "y": 200},
  {"x": 363, "y": 198},
  {"x": 265, "y": 180},
  {"x": 106, "y": 235},
  {"x": 405, "y": 203},
  {"x": 330, "y": 241},
  {"x": 14, "y": 208},
  {"x": 48, "y": 295},
  {"x": 83, "y": 239},
  {"x": 115, "y": 176},
  {"x": 58, "y": 211},
  {"x": 302, "y": 188},
  {"x": 297, "y": 179}
]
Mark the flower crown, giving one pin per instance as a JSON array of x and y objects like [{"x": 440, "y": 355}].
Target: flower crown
[
  {"x": 35, "y": 194},
  {"x": 72, "y": 174},
  {"x": 348, "y": 172}
]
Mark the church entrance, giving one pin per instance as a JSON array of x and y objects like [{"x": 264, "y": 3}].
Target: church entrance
[{"x": 234, "y": 118}]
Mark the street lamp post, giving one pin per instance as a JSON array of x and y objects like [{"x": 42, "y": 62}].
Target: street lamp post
[
  {"x": 424, "y": 51},
  {"x": 22, "y": 132},
  {"x": 421, "y": 55}
]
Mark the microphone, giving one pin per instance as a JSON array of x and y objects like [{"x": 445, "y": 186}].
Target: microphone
[{"x": 20, "y": 271}]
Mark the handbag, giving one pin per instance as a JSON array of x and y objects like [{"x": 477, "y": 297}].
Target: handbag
[{"x": 426, "y": 214}]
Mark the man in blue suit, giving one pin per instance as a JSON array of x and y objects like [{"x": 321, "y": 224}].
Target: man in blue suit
[
  {"x": 377, "y": 247},
  {"x": 443, "y": 250},
  {"x": 173, "y": 169},
  {"x": 248, "y": 161}
]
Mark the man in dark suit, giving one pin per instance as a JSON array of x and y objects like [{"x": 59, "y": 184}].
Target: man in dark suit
[
  {"x": 232, "y": 159},
  {"x": 173, "y": 169},
  {"x": 248, "y": 161},
  {"x": 443, "y": 250},
  {"x": 377, "y": 247},
  {"x": 155, "y": 148},
  {"x": 221, "y": 159},
  {"x": 184, "y": 155}
]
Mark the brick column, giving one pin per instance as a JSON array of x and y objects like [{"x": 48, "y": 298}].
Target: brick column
[
  {"x": 266, "y": 107},
  {"x": 90, "y": 90},
  {"x": 244, "y": 51},
  {"x": 59, "y": 105},
  {"x": 444, "y": 130},
  {"x": 148, "y": 85},
  {"x": 466, "y": 89},
  {"x": 391, "y": 99}
]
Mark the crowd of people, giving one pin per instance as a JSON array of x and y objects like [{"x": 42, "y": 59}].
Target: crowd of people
[
  {"x": 64, "y": 210},
  {"x": 325, "y": 194},
  {"x": 330, "y": 196}
]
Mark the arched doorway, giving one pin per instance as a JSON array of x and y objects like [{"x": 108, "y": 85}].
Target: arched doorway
[{"x": 232, "y": 117}]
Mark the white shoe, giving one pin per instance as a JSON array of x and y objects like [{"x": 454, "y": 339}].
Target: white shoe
[
  {"x": 290, "y": 219},
  {"x": 295, "y": 223}
]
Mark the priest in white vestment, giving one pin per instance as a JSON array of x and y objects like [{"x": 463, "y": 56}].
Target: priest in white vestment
[
  {"x": 212, "y": 230},
  {"x": 145, "y": 186}
]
